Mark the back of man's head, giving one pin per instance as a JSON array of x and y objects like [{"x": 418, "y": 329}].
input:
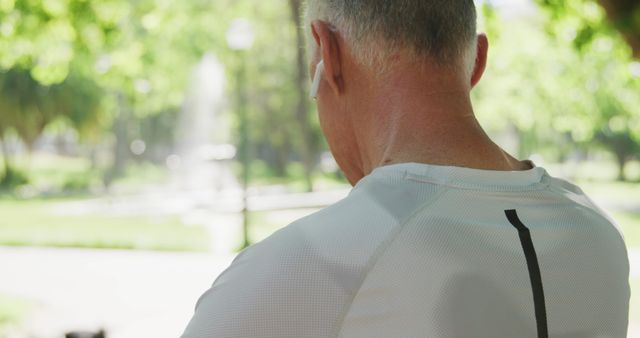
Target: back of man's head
[{"x": 442, "y": 30}]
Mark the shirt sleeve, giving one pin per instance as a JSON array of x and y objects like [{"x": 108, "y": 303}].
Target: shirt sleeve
[{"x": 276, "y": 288}]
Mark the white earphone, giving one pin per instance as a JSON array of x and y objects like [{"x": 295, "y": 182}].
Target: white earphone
[{"x": 315, "y": 86}]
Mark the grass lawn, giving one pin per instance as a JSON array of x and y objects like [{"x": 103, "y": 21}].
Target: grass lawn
[
  {"x": 294, "y": 180},
  {"x": 12, "y": 311},
  {"x": 33, "y": 223},
  {"x": 624, "y": 195},
  {"x": 264, "y": 223},
  {"x": 630, "y": 224}
]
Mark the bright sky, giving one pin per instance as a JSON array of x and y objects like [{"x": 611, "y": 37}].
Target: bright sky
[{"x": 512, "y": 7}]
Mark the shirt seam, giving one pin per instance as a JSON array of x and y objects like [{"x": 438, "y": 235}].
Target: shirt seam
[
  {"x": 375, "y": 257},
  {"x": 536, "y": 186}
]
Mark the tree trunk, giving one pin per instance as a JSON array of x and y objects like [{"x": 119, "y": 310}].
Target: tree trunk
[
  {"x": 93, "y": 156},
  {"x": 281, "y": 159},
  {"x": 310, "y": 146},
  {"x": 121, "y": 147},
  {"x": 5, "y": 156},
  {"x": 622, "y": 160}
]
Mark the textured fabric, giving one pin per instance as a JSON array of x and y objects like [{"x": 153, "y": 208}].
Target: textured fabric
[{"x": 426, "y": 251}]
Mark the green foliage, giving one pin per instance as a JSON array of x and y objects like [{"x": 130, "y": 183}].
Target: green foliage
[
  {"x": 581, "y": 21},
  {"x": 91, "y": 62},
  {"x": 557, "y": 93},
  {"x": 293, "y": 178},
  {"x": 79, "y": 184},
  {"x": 51, "y": 174},
  {"x": 12, "y": 179},
  {"x": 558, "y": 80},
  {"x": 589, "y": 20},
  {"x": 29, "y": 107}
]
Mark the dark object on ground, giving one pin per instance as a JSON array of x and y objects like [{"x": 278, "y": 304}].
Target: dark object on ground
[{"x": 85, "y": 334}]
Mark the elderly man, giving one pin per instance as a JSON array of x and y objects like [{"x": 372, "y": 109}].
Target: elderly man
[{"x": 444, "y": 233}]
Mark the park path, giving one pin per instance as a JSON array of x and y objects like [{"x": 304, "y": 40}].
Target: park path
[{"x": 130, "y": 294}]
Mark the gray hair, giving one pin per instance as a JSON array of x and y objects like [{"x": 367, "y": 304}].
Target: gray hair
[{"x": 444, "y": 30}]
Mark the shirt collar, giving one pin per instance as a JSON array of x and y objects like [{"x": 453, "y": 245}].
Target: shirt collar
[{"x": 463, "y": 177}]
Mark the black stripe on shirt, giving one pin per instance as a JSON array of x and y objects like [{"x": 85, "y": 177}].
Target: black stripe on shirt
[{"x": 534, "y": 272}]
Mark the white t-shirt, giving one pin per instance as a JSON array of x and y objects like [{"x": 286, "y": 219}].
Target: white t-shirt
[{"x": 418, "y": 250}]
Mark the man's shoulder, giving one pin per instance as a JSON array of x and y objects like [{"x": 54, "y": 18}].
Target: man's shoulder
[
  {"x": 296, "y": 282},
  {"x": 575, "y": 195},
  {"x": 339, "y": 230}
]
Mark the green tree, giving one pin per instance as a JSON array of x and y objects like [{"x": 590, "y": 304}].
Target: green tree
[
  {"x": 621, "y": 15},
  {"x": 598, "y": 32},
  {"x": 560, "y": 92},
  {"x": 310, "y": 136},
  {"x": 139, "y": 54}
]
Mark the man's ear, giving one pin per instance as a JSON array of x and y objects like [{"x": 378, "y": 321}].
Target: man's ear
[
  {"x": 482, "y": 50},
  {"x": 328, "y": 46}
]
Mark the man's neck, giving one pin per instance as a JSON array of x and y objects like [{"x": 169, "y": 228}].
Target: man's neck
[
  {"x": 435, "y": 127},
  {"x": 456, "y": 142}
]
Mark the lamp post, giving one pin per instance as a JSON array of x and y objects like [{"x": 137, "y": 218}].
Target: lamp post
[{"x": 240, "y": 38}]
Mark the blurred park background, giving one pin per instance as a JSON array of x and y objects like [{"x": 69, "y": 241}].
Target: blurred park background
[{"x": 143, "y": 143}]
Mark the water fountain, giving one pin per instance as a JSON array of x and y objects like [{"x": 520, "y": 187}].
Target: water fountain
[
  {"x": 203, "y": 132},
  {"x": 201, "y": 166}
]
